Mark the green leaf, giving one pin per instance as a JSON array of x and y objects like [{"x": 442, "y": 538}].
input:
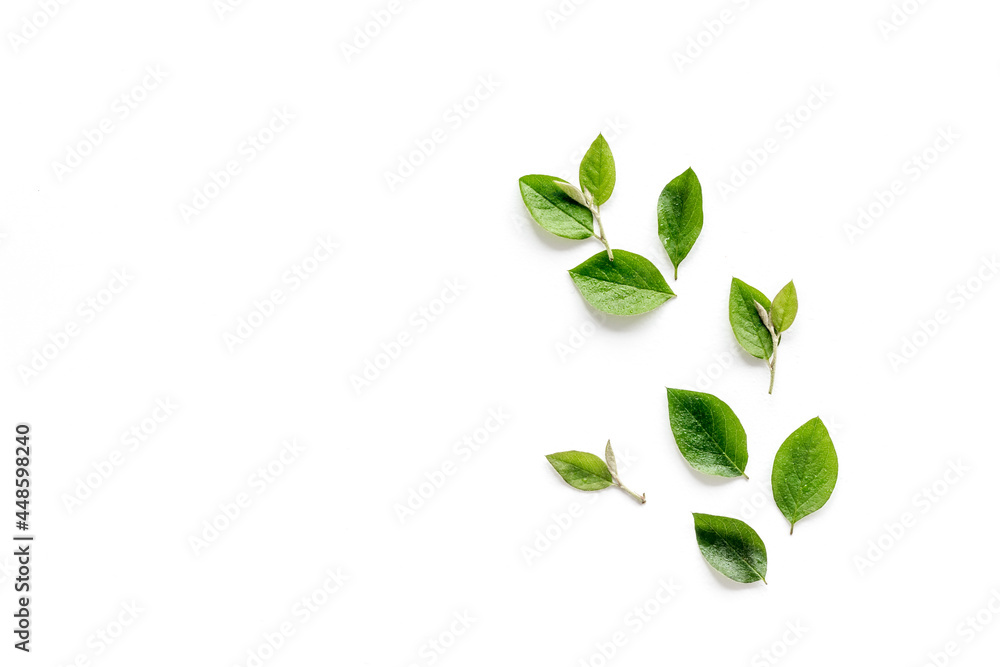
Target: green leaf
[
  {"x": 630, "y": 285},
  {"x": 805, "y": 471},
  {"x": 750, "y": 331},
  {"x": 708, "y": 433},
  {"x": 609, "y": 458},
  {"x": 731, "y": 547},
  {"x": 680, "y": 216},
  {"x": 555, "y": 210},
  {"x": 784, "y": 308},
  {"x": 581, "y": 470},
  {"x": 597, "y": 171},
  {"x": 573, "y": 192}
]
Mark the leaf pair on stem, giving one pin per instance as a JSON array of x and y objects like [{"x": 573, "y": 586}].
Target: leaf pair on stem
[
  {"x": 759, "y": 322},
  {"x": 569, "y": 211},
  {"x": 587, "y": 472}
]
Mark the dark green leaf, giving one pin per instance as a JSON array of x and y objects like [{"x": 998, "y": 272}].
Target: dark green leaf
[
  {"x": 708, "y": 433},
  {"x": 555, "y": 210},
  {"x": 749, "y": 329},
  {"x": 630, "y": 285},
  {"x": 784, "y": 308},
  {"x": 680, "y": 216},
  {"x": 597, "y": 171},
  {"x": 731, "y": 547},
  {"x": 805, "y": 471},
  {"x": 581, "y": 470}
]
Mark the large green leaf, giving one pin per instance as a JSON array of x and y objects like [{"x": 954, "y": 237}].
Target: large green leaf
[
  {"x": 554, "y": 209},
  {"x": 680, "y": 215},
  {"x": 708, "y": 433},
  {"x": 784, "y": 308},
  {"x": 630, "y": 285},
  {"x": 750, "y": 331},
  {"x": 805, "y": 471},
  {"x": 597, "y": 171},
  {"x": 581, "y": 470},
  {"x": 731, "y": 547}
]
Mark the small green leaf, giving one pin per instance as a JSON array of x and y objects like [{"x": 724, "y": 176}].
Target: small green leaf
[
  {"x": 555, "y": 210},
  {"x": 784, "y": 308},
  {"x": 631, "y": 285},
  {"x": 572, "y": 191},
  {"x": 680, "y": 216},
  {"x": 609, "y": 458},
  {"x": 597, "y": 171},
  {"x": 581, "y": 470},
  {"x": 805, "y": 471},
  {"x": 765, "y": 317},
  {"x": 731, "y": 547},
  {"x": 708, "y": 433},
  {"x": 750, "y": 331}
]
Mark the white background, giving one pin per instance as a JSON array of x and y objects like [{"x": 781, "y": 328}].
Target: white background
[{"x": 502, "y": 343}]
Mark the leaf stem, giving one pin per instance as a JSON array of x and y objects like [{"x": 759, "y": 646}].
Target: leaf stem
[
  {"x": 675, "y": 272},
  {"x": 596, "y": 210},
  {"x": 772, "y": 362},
  {"x": 641, "y": 499}
]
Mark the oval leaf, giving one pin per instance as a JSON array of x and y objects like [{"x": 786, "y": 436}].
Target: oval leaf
[
  {"x": 680, "y": 215},
  {"x": 731, "y": 547},
  {"x": 597, "y": 171},
  {"x": 581, "y": 470},
  {"x": 555, "y": 210},
  {"x": 784, "y": 308},
  {"x": 749, "y": 329},
  {"x": 805, "y": 471},
  {"x": 630, "y": 285},
  {"x": 708, "y": 433}
]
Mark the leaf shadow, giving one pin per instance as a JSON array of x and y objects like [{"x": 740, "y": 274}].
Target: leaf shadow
[
  {"x": 711, "y": 480},
  {"x": 729, "y": 583},
  {"x": 704, "y": 478},
  {"x": 617, "y": 323}
]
